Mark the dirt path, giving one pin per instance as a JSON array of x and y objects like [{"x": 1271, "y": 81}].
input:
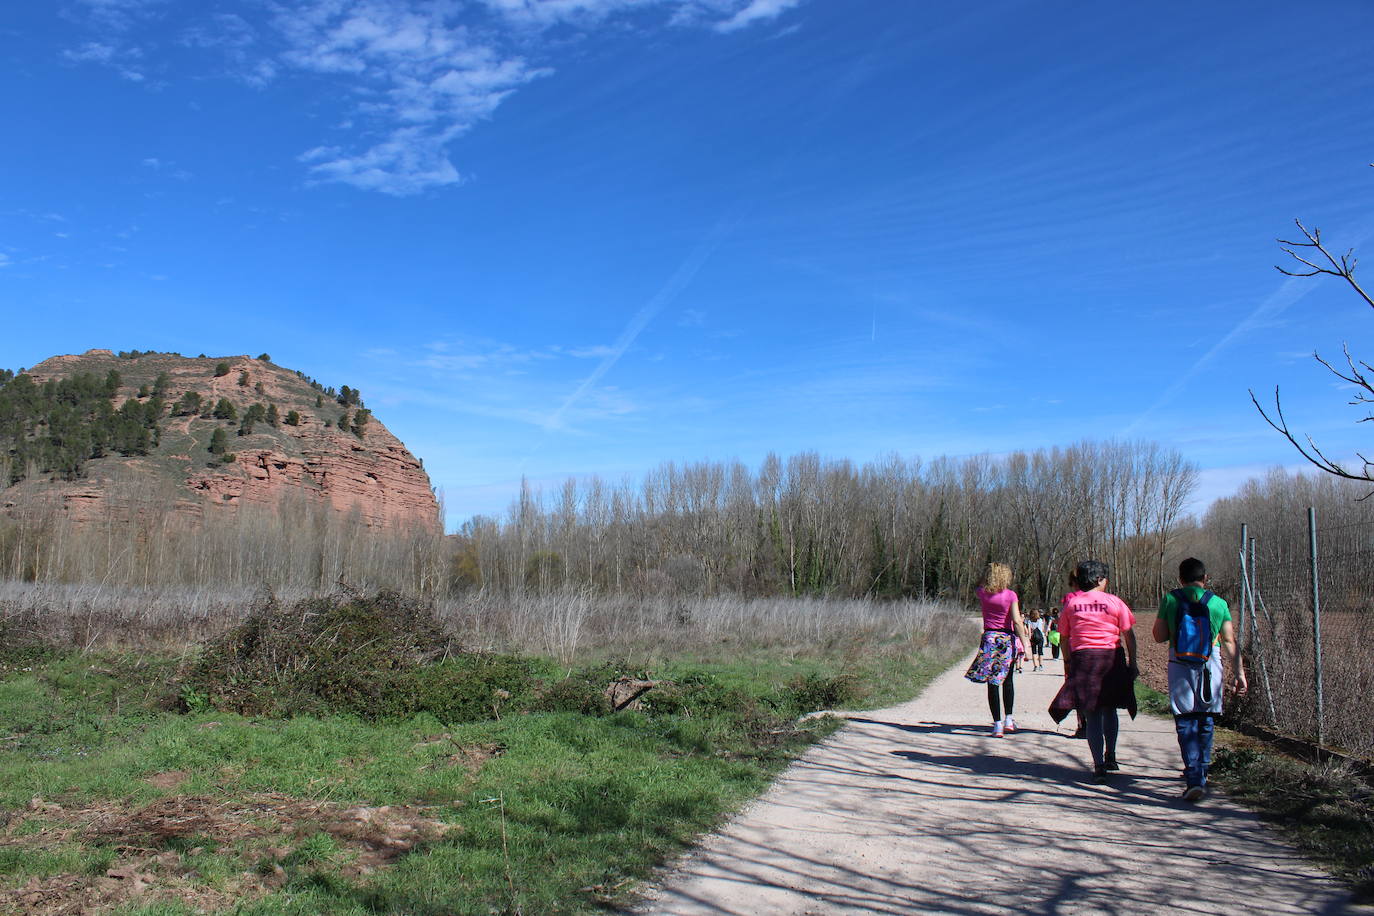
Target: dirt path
[{"x": 917, "y": 809}]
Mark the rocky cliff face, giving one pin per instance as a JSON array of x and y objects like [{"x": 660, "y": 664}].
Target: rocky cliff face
[{"x": 369, "y": 472}]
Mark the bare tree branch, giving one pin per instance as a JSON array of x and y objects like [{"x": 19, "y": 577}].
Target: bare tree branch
[
  {"x": 1311, "y": 451},
  {"x": 1343, "y": 267}
]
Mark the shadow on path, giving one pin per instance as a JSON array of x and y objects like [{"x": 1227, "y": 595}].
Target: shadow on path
[{"x": 918, "y": 809}]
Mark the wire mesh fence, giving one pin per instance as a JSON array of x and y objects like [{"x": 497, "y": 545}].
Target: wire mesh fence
[{"x": 1307, "y": 602}]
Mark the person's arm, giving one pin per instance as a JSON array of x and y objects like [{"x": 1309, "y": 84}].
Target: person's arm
[
  {"x": 1019, "y": 624},
  {"x": 1066, "y": 644},
  {"x": 1128, "y": 640},
  {"x": 1160, "y": 631},
  {"x": 1231, "y": 654}
]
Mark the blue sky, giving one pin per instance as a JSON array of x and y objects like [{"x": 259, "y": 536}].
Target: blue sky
[{"x": 566, "y": 237}]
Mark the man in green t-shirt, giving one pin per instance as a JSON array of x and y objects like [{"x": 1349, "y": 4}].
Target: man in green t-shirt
[{"x": 1195, "y": 687}]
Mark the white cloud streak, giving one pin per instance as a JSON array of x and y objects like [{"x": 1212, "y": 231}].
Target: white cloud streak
[
  {"x": 756, "y": 11},
  {"x": 425, "y": 80},
  {"x": 423, "y": 72}
]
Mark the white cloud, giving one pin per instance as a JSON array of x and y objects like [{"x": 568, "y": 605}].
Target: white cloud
[
  {"x": 121, "y": 59},
  {"x": 549, "y": 12},
  {"x": 600, "y": 351},
  {"x": 422, "y": 72},
  {"x": 117, "y": 15},
  {"x": 425, "y": 81},
  {"x": 5, "y": 260},
  {"x": 756, "y": 11}
]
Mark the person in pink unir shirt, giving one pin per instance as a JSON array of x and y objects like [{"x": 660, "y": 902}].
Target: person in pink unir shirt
[
  {"x": 1096, "y": 629},
  {"x": 996, "y": 658}
]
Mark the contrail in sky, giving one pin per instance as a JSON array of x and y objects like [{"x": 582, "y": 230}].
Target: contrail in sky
[
  {"x": 1289, "y": 292},
  {"x": 679, "y": 281},
  {"x": 670, "y": 291}
]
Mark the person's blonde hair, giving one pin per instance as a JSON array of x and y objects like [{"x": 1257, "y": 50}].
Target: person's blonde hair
[
  {"x": 996, "y": 578},
  {"x": 1035, "y": 614}
]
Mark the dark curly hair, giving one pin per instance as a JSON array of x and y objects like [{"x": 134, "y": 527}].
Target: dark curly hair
[{"x": 1090, "y": 572}]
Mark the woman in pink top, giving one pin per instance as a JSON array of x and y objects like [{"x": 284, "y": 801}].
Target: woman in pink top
[
  {"x": 1099, "y": 662},
  {"x": 993, "y": 665}
]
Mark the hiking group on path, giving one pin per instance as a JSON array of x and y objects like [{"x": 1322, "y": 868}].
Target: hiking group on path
[
  {"x": 1095, "y": 629},
  {"x": 920, "y": 808}
]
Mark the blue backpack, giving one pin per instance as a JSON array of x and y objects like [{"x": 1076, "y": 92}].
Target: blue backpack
[{"x": 1193, "y": 637}]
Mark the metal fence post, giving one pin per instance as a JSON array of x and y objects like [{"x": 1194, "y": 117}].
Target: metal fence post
[
  {"x": 1261, "y": 647},
  {"x": 1244, "y": 586},
  {"x": 1316, "y": 616}
]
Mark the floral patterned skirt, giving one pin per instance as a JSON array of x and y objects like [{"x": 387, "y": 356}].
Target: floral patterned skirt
[{"x": 994, "y": 659}]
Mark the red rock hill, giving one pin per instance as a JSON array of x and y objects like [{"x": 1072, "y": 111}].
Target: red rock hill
[{"x": 371, "y": 473}]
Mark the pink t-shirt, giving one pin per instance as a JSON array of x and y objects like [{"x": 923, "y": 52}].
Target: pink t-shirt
[
  {"x": 1094, "y": 620},
  {"x": 997, "y": 609}
]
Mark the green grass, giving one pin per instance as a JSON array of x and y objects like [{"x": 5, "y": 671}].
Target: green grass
[
  {"x": 1152, "y": 701},
  {"x": 1324, "y": 809},
  {"x": 572, "y": 810}
]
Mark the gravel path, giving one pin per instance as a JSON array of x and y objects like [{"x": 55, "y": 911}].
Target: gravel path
[{"x": 917, "y": 809}]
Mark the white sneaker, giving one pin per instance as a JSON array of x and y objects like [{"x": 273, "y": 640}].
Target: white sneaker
[
  {"x": 997, "y": 731},
  {"x": 1009, "y": 724}
]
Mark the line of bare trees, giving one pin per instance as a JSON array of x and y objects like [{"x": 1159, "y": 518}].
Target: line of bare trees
[
  {"x": 812, "y": 526},
  {"x": 145, "y": 538}
]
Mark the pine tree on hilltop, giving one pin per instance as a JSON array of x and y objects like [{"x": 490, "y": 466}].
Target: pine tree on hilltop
[{"x": 187, "y": 405}]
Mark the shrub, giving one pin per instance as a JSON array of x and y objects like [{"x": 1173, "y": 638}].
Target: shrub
[
  {"x": 221, "y": 369},
  {"x": 814, "y": 692},
  {"x": 340, "y": 654},
  {"x": 466, "y": 688},
  {"x": 243, "y": 379},
  {"x": 264, "y": 358},
  {"x": 293, "y": 418}
]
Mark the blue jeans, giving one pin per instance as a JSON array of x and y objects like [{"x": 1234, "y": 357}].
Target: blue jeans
[
  {"x": 1102, "y": 726},
  {"x": 1195, "y": 741}
]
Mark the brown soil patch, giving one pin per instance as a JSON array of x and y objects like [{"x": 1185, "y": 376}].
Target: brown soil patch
[
  {"x": 67, "y": 895},
  {"x": 168, "y": 779},
  {"x": 471, "y": 757},
  {"x": 261, "y": 829}
]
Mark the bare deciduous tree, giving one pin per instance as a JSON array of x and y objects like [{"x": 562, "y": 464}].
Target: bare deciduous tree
[{"x": 1317, "y": 260}]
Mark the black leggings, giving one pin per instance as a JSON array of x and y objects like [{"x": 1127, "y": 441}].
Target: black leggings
[{"x": 1008, "y": 696}]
